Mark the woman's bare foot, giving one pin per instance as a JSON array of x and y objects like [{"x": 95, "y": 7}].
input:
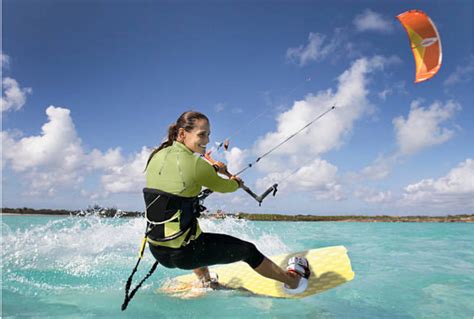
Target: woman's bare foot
[
  {"x": 202, "y": 273},
  {"x": 206, "y": 279}
]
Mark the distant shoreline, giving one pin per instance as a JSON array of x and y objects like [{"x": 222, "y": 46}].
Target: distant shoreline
[
  {"x": 464, "y": 218},
  {"x": 112, "y": 212}
]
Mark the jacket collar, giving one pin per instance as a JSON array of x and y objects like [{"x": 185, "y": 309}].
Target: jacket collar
[{"x": 182, "y": 147}]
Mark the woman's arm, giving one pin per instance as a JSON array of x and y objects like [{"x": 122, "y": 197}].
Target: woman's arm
[{"x": 207, "y": 176}]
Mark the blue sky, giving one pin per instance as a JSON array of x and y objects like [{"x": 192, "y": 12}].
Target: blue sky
[{"x": 89, "y": 88}]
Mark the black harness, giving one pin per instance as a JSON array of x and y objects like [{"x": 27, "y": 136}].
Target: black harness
[{"x": 162, "y": 208}]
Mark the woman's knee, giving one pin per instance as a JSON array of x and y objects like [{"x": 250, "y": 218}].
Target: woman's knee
[{"x": 254, "y": 257}]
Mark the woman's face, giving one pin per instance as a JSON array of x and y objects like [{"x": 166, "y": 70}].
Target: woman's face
[{"x": 198, "y": 138}]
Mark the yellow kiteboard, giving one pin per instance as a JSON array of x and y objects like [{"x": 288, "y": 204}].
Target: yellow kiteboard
[{"x": 330, "y": 267}]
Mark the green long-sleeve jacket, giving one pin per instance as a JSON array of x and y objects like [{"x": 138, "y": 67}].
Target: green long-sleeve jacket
[{"x": 177, "y": 170}]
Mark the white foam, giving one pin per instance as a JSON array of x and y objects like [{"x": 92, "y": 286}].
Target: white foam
[
  {"x": 266, "y": 241},
  {"x": 78, "y": 244},
  {"x": 96, "y": 253}
]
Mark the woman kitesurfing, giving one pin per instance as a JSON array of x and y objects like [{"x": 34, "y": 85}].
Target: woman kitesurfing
[{"x": 174, "y": 179}]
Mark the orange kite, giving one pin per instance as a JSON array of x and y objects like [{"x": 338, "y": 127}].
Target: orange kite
[{"x": 425, "y": 43}]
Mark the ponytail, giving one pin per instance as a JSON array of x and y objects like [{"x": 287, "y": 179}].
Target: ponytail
[{"x": 187, "y": 121}]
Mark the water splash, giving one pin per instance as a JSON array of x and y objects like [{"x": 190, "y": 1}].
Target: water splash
[
  {"x": 93, "y": 252},
  {"x": 266, "y": 240},
  {"x": 65, "y": 242},
  {"x": 66, "y": 253}
]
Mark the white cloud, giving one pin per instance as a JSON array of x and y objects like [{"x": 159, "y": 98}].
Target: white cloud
[
  {"x": 128, "y": 177},
  {"x": 5, "y": 60},
  {"x": 324, "y": 135},
  {"x": 462, "y": 73},
  {"x": 398, "y": 87},
  {"x": 379, "y": 169},
  {"x": 92, "y": 195},
  {"x": 423, "y": 127},
  {"x": 111, "y": 158},
  {"x": 51, "y": 182},
  {"x": 373, "y": 196},
  {"x": 50, "y": 161},
  {"x": 317, "y": 48},
  {"x": 55, "y": 159},
  {"x": 237, "y": 110},
  {"x": 219, "y": 107},
  {"x": 318, "y": 178},
  {"x": 235, "y": 158},
  {"x": 453, "y": 191},
  {"x": 372, "y": 21},
  {"x": 384, "y": 93},
  {"x": 13, "y": 97},
  {"x": 57, "y": 146}
]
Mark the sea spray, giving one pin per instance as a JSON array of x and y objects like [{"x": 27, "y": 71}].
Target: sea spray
[
  {"x": 94, "y": 252},
  {"x": 266, "y": 241},
  {"x": 91, "y": 251}
]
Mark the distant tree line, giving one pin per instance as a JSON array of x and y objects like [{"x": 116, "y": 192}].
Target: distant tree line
[
  {"x": 92, "y": 210},
  {"x": 114, "y": 212},
  {"x": 357, "y": 218}
]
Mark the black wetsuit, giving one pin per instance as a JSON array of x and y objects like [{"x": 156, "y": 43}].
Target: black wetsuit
[{"x": 208, "y": 249}]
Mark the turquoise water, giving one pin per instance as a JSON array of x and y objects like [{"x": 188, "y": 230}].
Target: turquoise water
[{"x": 76, "y": 267}]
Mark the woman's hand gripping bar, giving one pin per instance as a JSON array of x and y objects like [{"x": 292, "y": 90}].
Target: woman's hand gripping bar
[{"x": 222, "y": 168}]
